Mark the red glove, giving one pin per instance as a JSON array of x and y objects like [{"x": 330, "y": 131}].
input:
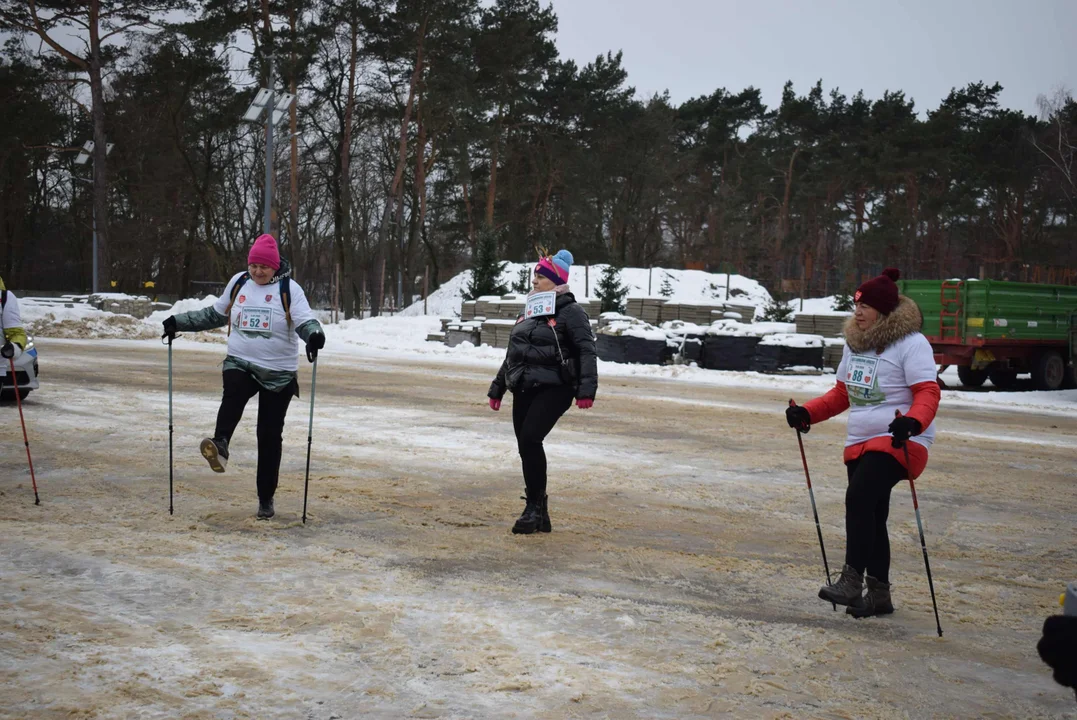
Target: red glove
[
  {"x": 495, "y": 404},
  {"x": 585, "y": 403}
]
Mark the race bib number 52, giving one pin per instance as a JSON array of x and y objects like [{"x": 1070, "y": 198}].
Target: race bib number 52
[{"x": 259, "y": 320}]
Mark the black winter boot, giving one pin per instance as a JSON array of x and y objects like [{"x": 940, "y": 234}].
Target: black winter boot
[
  {"x": 876, "y": 600},
  {"x": 848, "y": 588},
  {"x": 544, "y": 522},
  {"x": 265, "y": 509},
  {"x": 529, "y": 519},
  {"x": 215, "y": 451}
]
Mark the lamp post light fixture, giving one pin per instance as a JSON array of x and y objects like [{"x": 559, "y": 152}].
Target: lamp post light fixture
[
  {"x": 277, "y": 105},
  {"x": 84, "y": 156}
]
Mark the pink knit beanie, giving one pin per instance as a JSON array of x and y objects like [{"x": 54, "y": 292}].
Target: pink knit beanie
[{"x": 264, "y": 252}]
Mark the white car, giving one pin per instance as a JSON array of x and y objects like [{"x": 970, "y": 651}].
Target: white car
[{"x": 25, "y": 373}]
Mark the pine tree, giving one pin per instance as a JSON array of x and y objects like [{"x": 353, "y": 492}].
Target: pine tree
[
  {"x": 844, "y": 302},
  {"x": 778, "y": 311},
  {"x": 523, "y": 281},
  {"x": 610, "y": 290},
  {"x": 485, "y": 267},
  {"x": 667, "y": 287}
]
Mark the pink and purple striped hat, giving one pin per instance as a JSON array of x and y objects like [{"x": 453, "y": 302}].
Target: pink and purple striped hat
[{"x": 555, "y": 268}]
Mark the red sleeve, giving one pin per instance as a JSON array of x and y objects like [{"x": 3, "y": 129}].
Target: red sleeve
[
  {"x": 835, "y": 402},
  {"x": 925, "y": 402}
]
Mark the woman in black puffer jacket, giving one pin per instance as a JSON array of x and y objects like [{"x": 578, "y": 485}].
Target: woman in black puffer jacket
[{"x": 550, "y": 360}]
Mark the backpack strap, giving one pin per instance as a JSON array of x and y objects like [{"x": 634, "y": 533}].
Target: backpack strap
[
  {"x": 234, "y": 294},
  {"x": 286, "y": 298},
  {"x": 3, "y": 298}
]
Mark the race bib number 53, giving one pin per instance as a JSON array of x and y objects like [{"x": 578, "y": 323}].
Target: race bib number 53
[
  {"x": 259, "y": 320},
  {"x": 543, "y": 303}
]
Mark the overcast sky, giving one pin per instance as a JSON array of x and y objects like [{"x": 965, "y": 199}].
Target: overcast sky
[{"x": 924, "y": 47}]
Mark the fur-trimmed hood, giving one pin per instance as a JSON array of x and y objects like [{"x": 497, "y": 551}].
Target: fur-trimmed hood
[{"x": 887, "y": 330}]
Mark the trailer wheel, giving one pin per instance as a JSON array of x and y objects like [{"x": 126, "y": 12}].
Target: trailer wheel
[
  {"x": 1002, "y": 378},
  {"x": 971, "y": 378},
  {"x": 1049, "y": 371}
]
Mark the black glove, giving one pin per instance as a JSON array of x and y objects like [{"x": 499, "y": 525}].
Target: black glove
[
  {"x": 8, "y": 351},
  {"x": 1058, "y": 648},
  {"x": 902, "y": 429},
  {"x": 798, "y": 418},
  {"x": 315, "y": 342},
  {"x": 169, "y": 325}
]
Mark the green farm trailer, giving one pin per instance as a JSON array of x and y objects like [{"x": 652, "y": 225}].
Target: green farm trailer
[
  {"x": 997, "y": 330},
  {"x": 1073, "y": 343}
]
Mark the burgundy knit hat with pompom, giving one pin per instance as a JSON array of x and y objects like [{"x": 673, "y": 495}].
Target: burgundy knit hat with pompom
[{"x": 880, "y": 293}]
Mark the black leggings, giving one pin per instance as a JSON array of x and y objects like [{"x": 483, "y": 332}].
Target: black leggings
[
  {"x": 239, "y": 387},
  {"x": 867, "y": 505},
  {"x": 534, "y": 413}
]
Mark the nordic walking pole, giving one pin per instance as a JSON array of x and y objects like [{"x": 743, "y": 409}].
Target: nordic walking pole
[
  {"x": 310, "y": 436},
  {"x": 920, "y": 525},
  {"x": 170, "y": 425},
  {"x": 811, "y": 493},
  {"x": 25, "y": 439}
]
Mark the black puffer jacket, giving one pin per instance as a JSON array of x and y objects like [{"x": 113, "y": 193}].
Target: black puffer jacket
[{"x": 532, "y": 359}]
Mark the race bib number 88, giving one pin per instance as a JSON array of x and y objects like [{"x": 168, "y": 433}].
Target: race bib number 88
[
  {"x": 259, "y": 320},
  {"x": 860, "y": 371}
]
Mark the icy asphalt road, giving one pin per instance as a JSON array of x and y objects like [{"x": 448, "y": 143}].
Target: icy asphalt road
[{"x": 679, "y": 581}]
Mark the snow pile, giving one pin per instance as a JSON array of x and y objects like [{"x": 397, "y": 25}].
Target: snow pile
[
  {"x": 687, "y": 286},
  {"x": 396, "y": 336},
  {"x": 54, "y": 319},
  {"x": 792, "y": 340},
  {"x": 114, "y": 297},
  {"x": 632, "y": 327},
  {"x": 182, "y": 306},
  {"x": 403, "y": 333},
  {"x": 818, "y": 306},
  {"x": 680, "y": 327},
  {"x": 608, "y": 317},
  {"x": 732, "y": 328}
]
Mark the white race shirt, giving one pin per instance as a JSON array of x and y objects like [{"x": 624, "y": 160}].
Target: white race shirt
[
  {"x": 260, "y": 333},
  {"x": 11, "y": 317},
  {"x": 880, "y": 384}
]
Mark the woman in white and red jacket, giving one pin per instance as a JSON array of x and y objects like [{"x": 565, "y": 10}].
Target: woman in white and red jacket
[{"x": 887, "y": 366}]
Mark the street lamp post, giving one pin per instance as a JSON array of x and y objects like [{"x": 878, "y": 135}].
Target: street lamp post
[
  {"x": 264, "y": 102},
  {"x": 84, "y": 156}
]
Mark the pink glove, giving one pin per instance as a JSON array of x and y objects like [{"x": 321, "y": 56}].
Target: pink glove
[
  {"x": 585, "y": 403},
  {"x": 495, "y": 404}
]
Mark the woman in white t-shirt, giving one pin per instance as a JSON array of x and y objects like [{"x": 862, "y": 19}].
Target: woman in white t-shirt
[
  {"x": 265, "y": 311},
  {"x": 887, "y": 366},
  {"x": 14, "y": 340}
]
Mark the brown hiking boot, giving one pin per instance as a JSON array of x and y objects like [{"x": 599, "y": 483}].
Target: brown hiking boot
[
  {"x": 848, "y": 588},
  {"x": 876, "y": 600}
]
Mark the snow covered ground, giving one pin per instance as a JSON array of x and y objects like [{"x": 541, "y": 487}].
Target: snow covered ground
[
  {"x": 686, "y": 286},
  {"x": 679, "y": 580},
  {"x": 404, "y": 336}
]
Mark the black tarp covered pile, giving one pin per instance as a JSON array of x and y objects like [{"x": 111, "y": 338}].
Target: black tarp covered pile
[
  {"x": 628, "y": 340},
  {"x": 687, "y": 340},
  {"x": 692, "y": 349},
  {"x": 729, "y": 352},
  {"x": 781, "y": 351},
  {"x": 631, "y": 349},
  {"x": 610, "y": 348}
]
